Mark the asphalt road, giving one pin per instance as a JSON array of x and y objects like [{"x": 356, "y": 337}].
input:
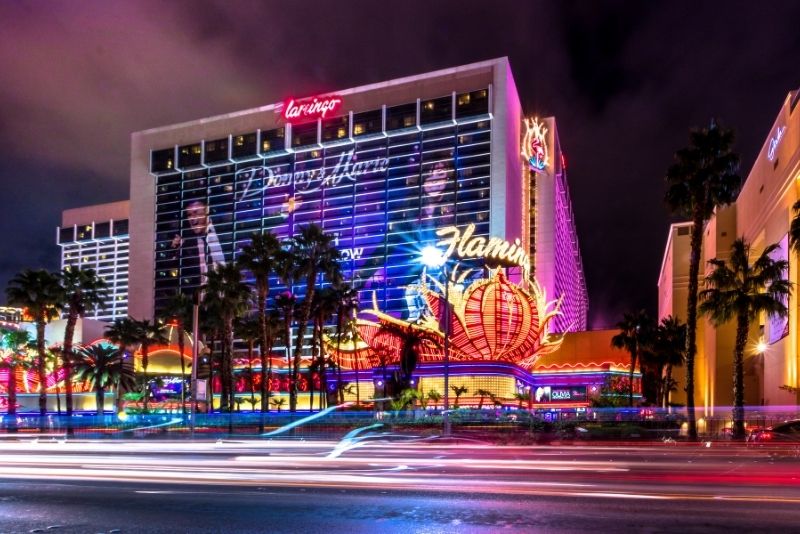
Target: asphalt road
[{"x": 393, "y": 487}]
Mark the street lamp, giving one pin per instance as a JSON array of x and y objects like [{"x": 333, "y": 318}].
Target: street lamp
[{"x": 433, "y": 257}]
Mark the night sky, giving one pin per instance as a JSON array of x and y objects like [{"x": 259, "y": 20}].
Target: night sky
[{"x": 625, "y": 80}]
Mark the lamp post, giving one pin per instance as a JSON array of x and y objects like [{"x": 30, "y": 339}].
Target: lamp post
[
  {"x": 433, "y": 257},
  {"x": 195, "y": 334}
]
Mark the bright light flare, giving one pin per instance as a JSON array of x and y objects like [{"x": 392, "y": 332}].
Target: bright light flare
[{"x": 432, "y": 256}]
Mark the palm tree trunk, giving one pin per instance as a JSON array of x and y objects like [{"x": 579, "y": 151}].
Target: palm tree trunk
[
  {"x": 250, "y": 351},
  {"x": 145, "y": 362},
  {"x": 262, "y": 327},
  {"x": 100, "y": 398},
  {"x": 181, "y": 348},
  {"x": 12, "y": 398},
  {"x": 339, "y": 328},
  {"x": 634, "y": 353},
  {"x": 691, "y": 317},
  {"x": 66, "y": 359},
  {"x": 668, "y": 387},
  {"x": 742, "y": 329},
  {"x": 289, "y": 359},
  {"x": 40, "y": 324}
]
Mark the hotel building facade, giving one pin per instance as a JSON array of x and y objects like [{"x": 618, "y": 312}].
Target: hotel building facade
[
  {"x": 96, "y": 237},
  {"x": 382, "y": 168},
  {"x": 761, "y": 215}
]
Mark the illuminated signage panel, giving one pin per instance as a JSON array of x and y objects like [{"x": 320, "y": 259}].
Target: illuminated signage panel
[{"x": 310, "y": 109}]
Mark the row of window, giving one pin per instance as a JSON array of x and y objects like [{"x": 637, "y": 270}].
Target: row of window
[
  {"x": 87, "y": 232},
  {"x": 449, "y": 109}
]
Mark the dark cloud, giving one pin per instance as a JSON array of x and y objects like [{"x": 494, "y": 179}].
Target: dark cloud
[{"x": 624, "y": 79}]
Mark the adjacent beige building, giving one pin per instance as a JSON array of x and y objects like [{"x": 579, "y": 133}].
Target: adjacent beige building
[{"x": 762, "y": 215}]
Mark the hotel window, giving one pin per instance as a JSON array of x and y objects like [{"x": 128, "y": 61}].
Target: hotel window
[
  {"x": 401, "y": 117},
  {"x": 189, "y": 156},
  {"x": 66, "y": 235},
  {"x": 162, "y": 160},
  {"x": 304, "y": 135},
  {"x": 472, "y": 104},
  {"x": 273, "y": 140},
  {"x": 436, "y": 111},
  {"x": 84, "y": 232},
  {"x": 102, "y": 230},
  {"x": 367, "y": 123},
  {"x": 121, "y": 228},
  {"x": 244, "y": 146},
  {"x": 335, "y": 129},
  {"x": 217, "y": 151}
]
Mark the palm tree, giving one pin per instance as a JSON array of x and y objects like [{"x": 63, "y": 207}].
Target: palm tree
[
  {"x": 227, "y": 292},
  {"x": 702, "y": 178},
  {"x": 483, "y": 393},
  {"x": 40, "y": 293},
  {"x": 178, "y": 312},
  {"x": 124, "y": 333},
  {"x": 260, "y": 257},
  {"x": 669, "y": 350},
  {"x": 326, "y": 302},
  {"x": 148, "y": 334},
  {"x": 636, "y": 330},
  {"x": 739, "y": 289},
  {"x": 523, "y": 397},
  {"x": 17, "y": 342},
  {"x": 458, "y": 391},
  {"x": 278, "y": 403},
  {"x": 434, "y": 396},
  {"x": 249, "y": 330},
  {"x": 794, "y": 228},
  {"x": 287, "y": 269},
  {"x": 84, "y": 291},
  {"x": 103, "y": 367},
  {"x": 314, "y": 254},
  {"x": 346, "y": 309}
]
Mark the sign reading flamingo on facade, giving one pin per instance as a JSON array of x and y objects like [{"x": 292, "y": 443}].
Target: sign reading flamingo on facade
[{"x": 310, "y": 109}]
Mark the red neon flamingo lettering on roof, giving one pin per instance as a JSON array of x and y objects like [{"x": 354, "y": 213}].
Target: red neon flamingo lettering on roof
[{"x": 310, "y": 109}]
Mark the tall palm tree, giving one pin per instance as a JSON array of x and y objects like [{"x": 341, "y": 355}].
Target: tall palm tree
[
  {"x": 325, "y": 304},
  {"x": 124, "y": 332},
  {"x": 103, "y": 367},
  {"x": 794, "y": 228},
  {"x": 347, "y": 298},
  {"x": 228, "y": 293},
  {"x": 636, "y": 331},
  {"x": 260, "y": 258},
  {"x": 739, "y": 289},
  {"x": 40, "y": 293},
  {"x": 84, "y": 291},
  {"x": 149, "y": 333},
  {"x": 669, "y": 351},
  {"x": 178, "y": 312},
  {"x": 17, "y": 342},
  {"x": 315, "y": 255},
  {"x": 702, "y": 178},
  {"x": 286, "y": 266},
  {"x": 248, "y": 329},
  {"x": 211, "y": 328}
]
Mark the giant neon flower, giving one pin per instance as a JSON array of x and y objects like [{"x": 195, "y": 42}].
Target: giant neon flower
[{"x": 493, "y": 319}]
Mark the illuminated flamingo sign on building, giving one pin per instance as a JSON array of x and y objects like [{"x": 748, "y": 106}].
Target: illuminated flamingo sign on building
[
  {"x": 492, "y": 320},
  {"x": 534, "y": 144},
  {"x": 313, "y": 108}
]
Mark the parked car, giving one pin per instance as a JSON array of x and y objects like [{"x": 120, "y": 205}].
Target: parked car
[{"x": 786, "y": 432}]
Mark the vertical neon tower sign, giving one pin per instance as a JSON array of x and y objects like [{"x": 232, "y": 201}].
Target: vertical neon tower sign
[{"x": 534, "y": 144}]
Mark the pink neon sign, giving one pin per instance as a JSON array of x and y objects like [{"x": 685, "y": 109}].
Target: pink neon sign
[{"x": 314, "y": 108}]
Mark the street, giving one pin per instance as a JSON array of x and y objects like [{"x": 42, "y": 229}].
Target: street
[{"x": 284, "y": 486}]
